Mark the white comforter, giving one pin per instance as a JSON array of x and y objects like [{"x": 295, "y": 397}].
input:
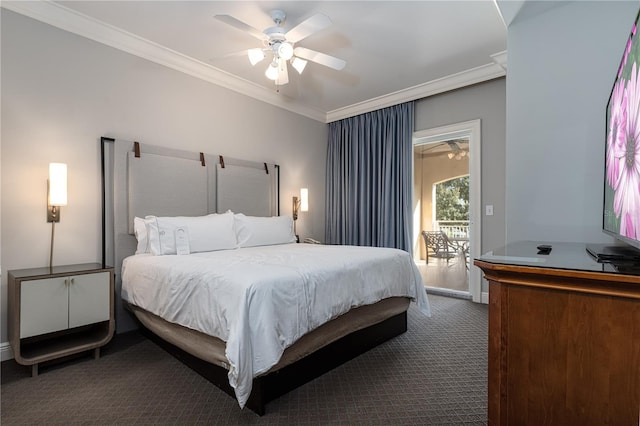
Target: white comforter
[{"x": 260, "y": 300}]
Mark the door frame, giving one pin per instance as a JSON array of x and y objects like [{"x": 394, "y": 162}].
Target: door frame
[{"x": 471, "y": 130}]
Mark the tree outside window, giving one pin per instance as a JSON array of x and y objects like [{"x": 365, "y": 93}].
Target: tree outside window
[{"x": 452, "y": 199}]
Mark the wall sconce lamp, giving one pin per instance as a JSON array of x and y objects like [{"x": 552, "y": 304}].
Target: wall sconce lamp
[
  {"x": 56, "y": 197},
  {"x": 300, "y": 205}
]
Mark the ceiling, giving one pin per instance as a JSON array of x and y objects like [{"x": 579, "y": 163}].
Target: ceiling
[{"x": 395, "y": 50}]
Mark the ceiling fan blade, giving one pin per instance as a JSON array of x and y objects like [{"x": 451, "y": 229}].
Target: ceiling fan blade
[
  {"x": 307, "y": 27},
  {"x": 230, "y": 20},
  {"x": 320, "y": 58},
  {"x": 283, "y": 73},
  {"x": 231, "y": 55}
]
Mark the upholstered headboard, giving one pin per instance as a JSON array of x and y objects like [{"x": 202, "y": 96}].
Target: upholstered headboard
[{"x": 140, "y": 180}]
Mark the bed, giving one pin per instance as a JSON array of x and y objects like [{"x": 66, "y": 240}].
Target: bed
[{"x": 251, "y": 310}]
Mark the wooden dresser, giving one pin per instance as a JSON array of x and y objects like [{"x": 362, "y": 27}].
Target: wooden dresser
[{"x": 564, "y": 337}]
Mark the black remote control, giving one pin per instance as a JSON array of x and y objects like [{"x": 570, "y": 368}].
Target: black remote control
[{"x": 544, "y": 249}]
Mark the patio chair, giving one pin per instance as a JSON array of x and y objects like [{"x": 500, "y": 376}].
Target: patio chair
[{"x": 437, "y": 243}]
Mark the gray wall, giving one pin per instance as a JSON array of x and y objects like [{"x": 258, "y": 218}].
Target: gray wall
[
  {"x": 561, "y": 67},
  {"x": 484, "y": 101},
  {"x": 62, "y": 92}
]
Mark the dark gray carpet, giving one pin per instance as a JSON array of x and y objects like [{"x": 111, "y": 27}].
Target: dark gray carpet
[{"x": 434, "y": 374}]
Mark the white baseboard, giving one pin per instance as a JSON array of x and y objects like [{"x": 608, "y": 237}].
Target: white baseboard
[
  {"x": 485, "y": 298},
  {"x": 440, "y": 291},
  {"x": 6, "y": 352}
]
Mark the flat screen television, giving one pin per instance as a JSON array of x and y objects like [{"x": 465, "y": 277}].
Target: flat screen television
[{"x": 621, "y": 212}]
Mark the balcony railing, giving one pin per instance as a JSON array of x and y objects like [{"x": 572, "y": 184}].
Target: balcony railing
[{"x": 453, "y": 228}]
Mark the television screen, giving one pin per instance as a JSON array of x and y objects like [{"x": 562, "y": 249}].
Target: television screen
[{"x": 622, "y": 157}]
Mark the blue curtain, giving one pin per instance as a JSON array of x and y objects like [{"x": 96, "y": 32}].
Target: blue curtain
[{"x": 369, "y": 179}]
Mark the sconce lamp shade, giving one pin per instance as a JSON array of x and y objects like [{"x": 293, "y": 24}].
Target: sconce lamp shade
[
  {"x": 57, "y": 194},
  {"x": 57, "y": 184},
  {"x": 304, "y": 199}
]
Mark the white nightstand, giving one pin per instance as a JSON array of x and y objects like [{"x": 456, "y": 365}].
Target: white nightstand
[{"x": 59, "y": 311}]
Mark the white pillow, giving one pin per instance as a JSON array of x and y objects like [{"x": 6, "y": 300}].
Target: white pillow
[
  {"x": 206, "y": 233},
  {"x": 254, "y": 231},
  {"x": 141, "y": 231}
]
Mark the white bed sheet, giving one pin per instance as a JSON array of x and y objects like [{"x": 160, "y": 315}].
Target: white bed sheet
[{"x": 260, "y": 300}]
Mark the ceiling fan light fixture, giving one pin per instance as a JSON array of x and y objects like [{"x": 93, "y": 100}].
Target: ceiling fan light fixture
[
  {"x": 272, "y": 71},
  {"x": 255, "y": 55},
  {"x": 285, "y": 51},
  {"x": 298, "y": 64},
  {"x": 278, "y": 44}
]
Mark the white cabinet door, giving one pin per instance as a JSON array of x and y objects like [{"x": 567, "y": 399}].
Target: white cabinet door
[
  {"x": 43, "y": 306},
  {"x": 89, "y": 299}
]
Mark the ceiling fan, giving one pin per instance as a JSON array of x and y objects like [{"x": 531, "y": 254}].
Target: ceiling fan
[
  {"x": 455, "y": 148},
  {"x": 278, "y": 44},
  {"x": 456, "y": 151}
]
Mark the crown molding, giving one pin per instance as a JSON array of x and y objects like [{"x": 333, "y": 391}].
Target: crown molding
[
  {"x": 72, "y": 21},
  {"x": 500, "y": 58},
  {"x": 441, "y": 85},
  {"x": 69, "y": 20}
]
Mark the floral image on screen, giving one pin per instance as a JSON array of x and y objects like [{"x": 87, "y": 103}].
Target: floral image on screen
[{"x": 622, "y": 157}]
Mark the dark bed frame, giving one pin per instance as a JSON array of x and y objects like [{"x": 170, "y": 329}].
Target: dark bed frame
[{"x": 272, "y": 385}]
